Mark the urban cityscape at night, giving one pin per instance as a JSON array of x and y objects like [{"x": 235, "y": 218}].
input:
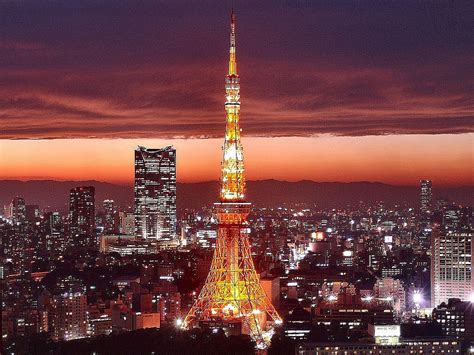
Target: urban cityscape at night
[{"x": 131, "y": 223}]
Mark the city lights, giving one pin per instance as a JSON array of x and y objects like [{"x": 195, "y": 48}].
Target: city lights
[{"x": 346, "y": 226}]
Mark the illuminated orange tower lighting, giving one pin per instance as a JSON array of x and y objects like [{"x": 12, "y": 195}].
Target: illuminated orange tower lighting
[{"x": 232, "y": 291}]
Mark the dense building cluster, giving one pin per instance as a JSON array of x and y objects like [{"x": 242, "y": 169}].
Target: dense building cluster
[
  {"x": 302, "y": 278},
  {"x": 333, "y": 274}
]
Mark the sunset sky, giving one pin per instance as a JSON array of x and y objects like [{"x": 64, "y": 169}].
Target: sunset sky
[{"x": 330, "y": 90}]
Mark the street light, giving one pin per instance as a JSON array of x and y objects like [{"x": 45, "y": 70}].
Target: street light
[
  {"x": 417, "y": 297},
  {"x": 368, "y": 298},
  {"x": 417, "y": 300},
  {"x": 332, "y": 298}
]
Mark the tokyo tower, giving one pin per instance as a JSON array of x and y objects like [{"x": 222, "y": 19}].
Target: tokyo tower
[{"x": 232, "y": 291}]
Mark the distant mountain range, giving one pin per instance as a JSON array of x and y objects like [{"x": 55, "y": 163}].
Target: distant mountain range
[{"x": 270, "y": 193}]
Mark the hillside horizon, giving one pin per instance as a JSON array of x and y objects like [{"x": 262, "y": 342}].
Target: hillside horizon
[
  {"x": 248, "y": 180},
  {"x": 271, "y": 193}
]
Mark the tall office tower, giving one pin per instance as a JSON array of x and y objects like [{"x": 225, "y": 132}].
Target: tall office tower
[
  {"x": 15, "y": 244},
  {"x": 425, "y": 196},
  {"x": 155, "y": 193},
  {"x": 232, "y": 293},
  {"x": 18, "y": 210},
  {"x": 109, "y": 217},
  {"x": 452, "y": 258},
  {"x": 82, "y": 216}
]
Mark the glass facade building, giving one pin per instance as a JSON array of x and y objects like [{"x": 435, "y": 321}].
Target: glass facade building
[{"x": 155, "y": 193}]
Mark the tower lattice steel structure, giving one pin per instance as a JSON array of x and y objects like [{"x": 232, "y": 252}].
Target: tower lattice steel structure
[{"x": 232, "y": 291}]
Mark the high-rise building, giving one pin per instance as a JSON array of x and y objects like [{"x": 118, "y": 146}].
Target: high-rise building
[
  {"x": 155, "y": 193},
  {"x": 233, "y": 295},
  {"x": 82, "y": 216},
  {"x": 425, "y": 196},
  {"x": 16, "y": 246},
  {"x": 109, "y": 217},
  {"x": 18, "y": 210},
  {"x": 69, "y": 316},
  {"x": 452, "y": 257}
]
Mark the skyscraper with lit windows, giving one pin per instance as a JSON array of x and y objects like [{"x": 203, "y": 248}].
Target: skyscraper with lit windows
[
  {"x": 69, "y": 316},
  {"x": 18, "y": 210},
  {"x": 452, "y": 257},
  {"x": 82, "y": 216},
  {"x": 109, "y": 217},
  {"x": 425, "y": 196},
  {"x": 155, "y": 193}
]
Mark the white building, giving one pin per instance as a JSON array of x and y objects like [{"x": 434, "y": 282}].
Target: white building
[{"x": 451, "y": 265}]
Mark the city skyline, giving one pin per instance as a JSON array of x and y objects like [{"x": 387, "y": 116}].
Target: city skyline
[
  {"x": 349, "y": 230},
  {"x": 339, "y": 82}
]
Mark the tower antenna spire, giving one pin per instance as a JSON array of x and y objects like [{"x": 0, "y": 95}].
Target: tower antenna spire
[{"x": 232, "y": 58}]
